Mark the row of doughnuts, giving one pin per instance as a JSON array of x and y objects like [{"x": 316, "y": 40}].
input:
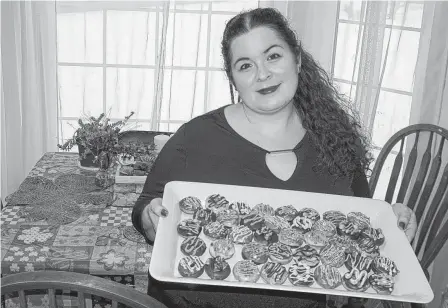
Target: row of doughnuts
[{"x": 274, "y": 238}]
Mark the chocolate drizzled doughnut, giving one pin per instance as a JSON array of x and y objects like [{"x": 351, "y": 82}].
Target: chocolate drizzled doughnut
[
  {"x": 265, "y": 236},
  {"x": 191, "y": 266},
  {"x": 256, "y": 252},
  {"x": 263, "y": 210},
  {"x": 241, "y": 235},
  {"x": 204, "y": 216},
  {"x": 280, "y": 253},
  {"x": 276, "y": 223},
  {"x": 307, "y": 255},
  {"x": 228, "y": 217},
  {"x": 300, "y": 274},
  {"x": 217, "y": 268},
  {"x": 375, "y": 234},
  {"x": 273, "y": 273},
  {"x": 367, "y": 245},
  {"x": 325, "y": 227},
  {"x": 291, "y": 237},
  {"x": 246, "y": 270},
  {"x": 242, "y": 208},
  {"x": 384, "y": 265},
  {"x": 359, "y": 218},
  {"x": 382, "y": 283},
  {"x": 189, "y": 227},
  {"x": 327, "y": 276},
  {"x": 253, "y": 221},
  {"x": 287, "y": 212},
  {"x": 349, "y": 229},
  {"x": 357, "y": 259},
  {"x": 189, "y": 205},
  {"x": 217, "y": 202},
  {"x": 309, "y": 213},
  {"x": 334, "y": 217},
  {"x": 193, "y": 246},
  {"x": 216, "y": 230},
  {"x": 303, "y": 224},
  {"x": 333, "y": 254},
  {"x": 356, "y": 280}
]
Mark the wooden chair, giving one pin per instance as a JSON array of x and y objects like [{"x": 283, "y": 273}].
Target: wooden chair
[
  {"x": 85, "y": 285},
  {"x": 426, "y": 174}
]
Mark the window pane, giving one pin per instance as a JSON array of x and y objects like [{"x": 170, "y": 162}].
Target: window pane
[
  {"x": 190, "y": 5},
  {"x": 80, "y": 90},
  {"x": 190, "y": 39},
  {"x": 386, "y": 171},
  {"x": 392, "y": 114},
  {"x": 139, "y": 125},
  {"x": 234, "y": 6},
  {"x": 80, "y": 37},
  {"x": 169, "y": 127},
  {"x": 412, "y": 17},
  {"x": 346, "y": 52},
  {"x": 401, "y": 60},
  {"x": 183, "y": 94},
  {"x": 346, "y": 89},
  {"x": 217, "y": 30},
  {"x": 66, "y": 129},
  {"x": 131, "y": 37},
  {"x": 130, "y": 89},
  {"x": 219, "y": 92},
  {"x": 350, "y": 10}
]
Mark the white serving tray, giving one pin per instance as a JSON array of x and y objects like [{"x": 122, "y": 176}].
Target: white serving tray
[{"x": 411, "y": 284}]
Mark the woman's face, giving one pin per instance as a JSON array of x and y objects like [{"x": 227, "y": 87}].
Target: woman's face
[{"x": 264, "y": 70}]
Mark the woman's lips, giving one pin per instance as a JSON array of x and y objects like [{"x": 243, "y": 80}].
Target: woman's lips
[{"x": 268, "y": 90}]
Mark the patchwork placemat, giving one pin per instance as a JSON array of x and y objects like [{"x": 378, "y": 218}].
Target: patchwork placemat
[{"x": 116, "y": 216}]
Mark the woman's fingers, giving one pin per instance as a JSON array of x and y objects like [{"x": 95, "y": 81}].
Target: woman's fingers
[
  {"x": 411, "y": 228},
  {"x": 406, "y": 220},
  {"x": 150, "y": 217},
  {"x": 157, "y": 208}
]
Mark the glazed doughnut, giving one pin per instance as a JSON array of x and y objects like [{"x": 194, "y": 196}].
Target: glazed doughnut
[
  {"x": 222, "y": 248},
  {"x": 241, "y": 235},
  {"x": 310, "y": 213},
  {"x": 356, "y": 280},
  {"x": 333, "y": 254},
  {"x": 327, "y": 276},
  {"x": 316, "y": 239},
  {"x": 228, "y": 218},
  {"x": 280, "y": 253},
  {"x": 342, "y": 241},
  {"x": 189, "y": 205},
  {"x": 359, "y": 218},
  {"x": 193, "y": 246},
  {"x": 273, "y": 273},
  {"x": 303, "y": 224},
  {"x": 384, "y": 265},
  {"x": 216, "y": 202},
  {"x": 242, "y": 208},
  {"x": 334, "y": 217},
  {"x": 265, "y": 236},
  {"x": 246, "y": 271},
  {"x": 191, "y": 266},
  {"x": 307, "y": 255},
  {"x": 204, "y": 216},
  {"x": 189, "y": 227},
  {"x": 382, "y": 283},
  {"x": 256, "y": 252},
  {"x": 357, "y": 259},
  {"x": 217, "y": 268},
  {"x": 367, "y": 245},
  {"x": 349, "y": 229},
  {"x": 276, "y": 223},
  {"x": 263, "y": 210},
  {"x": 300, "y": 274},
  {"x": 253, "y": 221},
  {"x": 375, "y": 234},
  {"x": 215, "y": 231},
  {"x": 291, "y": 237},
  {"x": 287, "y": 212},
  {"x": 325, "y": 227}
]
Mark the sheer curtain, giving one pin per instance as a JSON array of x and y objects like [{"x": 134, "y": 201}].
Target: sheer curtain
[{"x": 29, "y": 88}]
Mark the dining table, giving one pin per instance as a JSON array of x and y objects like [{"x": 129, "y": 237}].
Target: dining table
[{"x": 59, "y": 219}]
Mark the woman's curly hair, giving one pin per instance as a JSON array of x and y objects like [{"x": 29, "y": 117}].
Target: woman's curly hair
[{"x": 327, "y": 115}]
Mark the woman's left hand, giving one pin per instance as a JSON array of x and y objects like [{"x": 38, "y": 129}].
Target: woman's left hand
[{"x": 406, "y": 220}]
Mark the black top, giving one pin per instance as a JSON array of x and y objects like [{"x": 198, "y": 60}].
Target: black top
[{"x": 207, "y": 149}]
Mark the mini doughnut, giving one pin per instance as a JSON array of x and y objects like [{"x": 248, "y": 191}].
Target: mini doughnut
[
  {"x": 384, "y": 265},
  {"x": 189, "y": 227},
  {"x": 273, "y": 273},
  {"x": 382, "y": 283},
  {"x": 307, "y": 255},
  {"x": 256, "y": 252},
  {"x": 348, "y": 229},
  {"x": 276, "y": 223},
  {"x": 327, "y": 276},
  {"x": 241, "y": 235},
  {"x": 222, "y": 248},
  {"x": 303, "y": 224},
  {"x": 253, "y": 221},
  {"x": 367, "y": 245},
  {"x": 359, "y": 218},
  {"x": 216, "y": 202},
  {"x": 333, "y": 254},
  {"x": 334, "y": 217},
  {"x": 357, "y": 259},
  {"x": 246, "y": 271},
  {"x": 263, "y": 210},
  {"x": 242, "y": 208},
  {"x": 342, "y": 241},
  {"x": 356, "y": 280},
  {"x": 265, "y": 236},
  {"x": 325, "y": 227},
  {"x": 309, "y": 213},
  {"x": 291, "y": 237},
  {"x": 217, "y": 268},
  {"x": 189, "y": 205},
  {"x": 375, "y": 234},
  {"x": 215, "y": 231},
  {"x": 287, "y": 212},
  {"x": 204, "y": 216},
  {"x": 300, "y": 274},
  {"x": 316, "y": 239},
  {"x": 191, "y": 266},
  {"x": 280, "y": 253},
  {"x": 193, "y": 246},
  {"x": 228, "y": 218}
]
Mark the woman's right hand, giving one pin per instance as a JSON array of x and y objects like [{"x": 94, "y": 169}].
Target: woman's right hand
[{"x": 150, "y": 217}]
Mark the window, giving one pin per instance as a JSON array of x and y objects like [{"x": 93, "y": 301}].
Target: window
[
  {"x": 403, "y": 25},
  {"x": 107, "y": 55}
]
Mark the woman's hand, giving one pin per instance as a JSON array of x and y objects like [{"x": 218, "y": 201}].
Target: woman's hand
[
  {"x": 406, "y": 220},
  {"x": 150, "y": 217}
]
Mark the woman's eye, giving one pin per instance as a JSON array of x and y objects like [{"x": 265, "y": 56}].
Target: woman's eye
[
  {"x": 274, "y": 56},
  {"x": 244, "y": 66}
]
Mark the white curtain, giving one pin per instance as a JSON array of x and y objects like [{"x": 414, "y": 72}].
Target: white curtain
[{"x": 29, "y": 100}]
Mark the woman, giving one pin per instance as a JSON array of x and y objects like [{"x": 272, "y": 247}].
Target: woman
[{"x": 287, "y": 131}]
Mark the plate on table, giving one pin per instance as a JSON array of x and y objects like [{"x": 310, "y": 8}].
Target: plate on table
[{"x": 410, "y": 284}]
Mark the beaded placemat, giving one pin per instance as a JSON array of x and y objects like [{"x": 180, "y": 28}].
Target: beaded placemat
[
  {"x": 105, "y": 198},
  {"x": 55, "y": 214},
  {"x": 76, "y": 183}
]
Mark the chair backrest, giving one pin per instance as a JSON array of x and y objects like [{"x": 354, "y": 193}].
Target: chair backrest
[
  {"x": 425, "y": 184},
  {"x": 84, "y": 284}
]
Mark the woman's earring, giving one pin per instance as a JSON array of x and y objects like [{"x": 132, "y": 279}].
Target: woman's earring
[{"x": 240, "y": 100}]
